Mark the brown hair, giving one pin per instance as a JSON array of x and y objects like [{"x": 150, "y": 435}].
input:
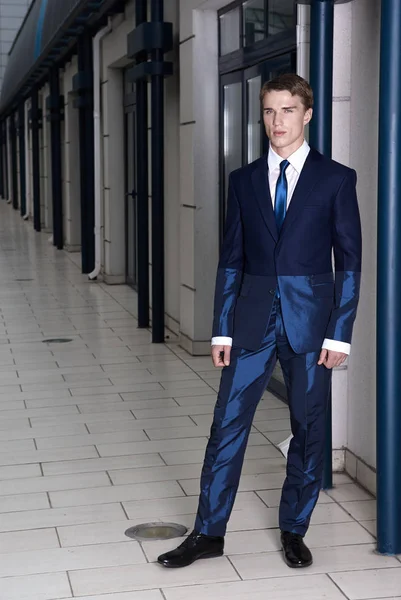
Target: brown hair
[{"x": 290, "y": 82}]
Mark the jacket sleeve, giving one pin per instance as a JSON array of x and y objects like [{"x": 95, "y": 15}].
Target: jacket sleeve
[
  {"x": 230, "y": 268},
  {"x": 347, "y": 244}
]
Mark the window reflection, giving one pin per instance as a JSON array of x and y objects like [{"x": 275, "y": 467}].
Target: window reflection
[
  {"x": 232, "y": 132},
  {"x": 281, "y": 16},
  {"x": 229, "y": 31},
  {"x": 254, "y": 21},
  {"x": 254, "y": 115}
]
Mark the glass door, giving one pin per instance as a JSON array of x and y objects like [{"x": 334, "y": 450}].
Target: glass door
[
  {"x": 131, "y": 229},
  {"x": 243, "y": 138}
]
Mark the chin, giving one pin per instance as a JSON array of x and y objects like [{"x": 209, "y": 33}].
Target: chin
[{"x": 280, "y": 142}]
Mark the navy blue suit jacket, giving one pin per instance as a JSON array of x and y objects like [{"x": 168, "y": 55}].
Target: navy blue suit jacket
[{"x": 322, "y": 216}]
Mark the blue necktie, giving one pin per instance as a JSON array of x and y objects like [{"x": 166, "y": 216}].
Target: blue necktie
[{"x": 280, "y": 203}]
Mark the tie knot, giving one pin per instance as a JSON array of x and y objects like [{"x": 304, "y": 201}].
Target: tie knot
[{"x": 283, "y": 165}]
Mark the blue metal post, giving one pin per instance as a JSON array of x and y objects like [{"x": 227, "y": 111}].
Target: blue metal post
[
  {"x": 321, "y": 79},
  {"x": 22, "y": 172},
  {"x": 389, "y": 285}
]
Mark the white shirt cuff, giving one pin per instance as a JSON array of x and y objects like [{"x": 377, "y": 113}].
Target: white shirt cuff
[
  {"x": 336, "y": 346},
  {"x": 222, "y": 341}
]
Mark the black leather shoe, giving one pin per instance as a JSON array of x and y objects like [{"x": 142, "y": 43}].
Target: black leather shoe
[
  {"x": 195, "y": 546},
  {"x": 296, "y": 554}
]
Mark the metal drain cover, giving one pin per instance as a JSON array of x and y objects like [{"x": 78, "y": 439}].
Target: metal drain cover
[
  {"x": 156, "y": 531},
  {"x": 57, "y": 341}
]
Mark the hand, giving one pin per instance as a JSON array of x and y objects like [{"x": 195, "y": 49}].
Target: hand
[
  {"x": 331, "y": 358},
  {"x": 221, "y": 356}
]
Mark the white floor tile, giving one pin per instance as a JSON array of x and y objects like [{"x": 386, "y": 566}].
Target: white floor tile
[
  {"x": 370, "y": 526},
  {"x": 118, "y": 493},
  {"x": 51, "y": 586},
  {"x": 362, "y": 510},
  {"x": 349, "y": 492},
  {"x": 54, "y": 517},
  {"x": 135, "y": 577},
  {"x": 369, "y": 584},
  {"x": 55, "y": 483},
  {"x": 337, "y": 534},
  {"x": 102, "y": 464},
  {"x": 66, "y": 559},
  {"x": 141, "y": 595},
  {"x": 148, "y": 447},
  {"x": 326, "y": 560},
  {"x": 44, "y": 456},
  {"x": 329, "y": 513},
  {"x": 16, "y": 502},
  {"x": 312, "y": 587},
  {"x": 21, "y": 541},
  {"x": 17, "y": 471}
]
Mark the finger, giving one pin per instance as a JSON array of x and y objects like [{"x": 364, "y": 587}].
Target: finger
[
  {"x": 217, "y": 358},
  {"x": 227, "y": 354},
  {"x": 329, "y": 362},
  {"x": 322, "y": 357}
]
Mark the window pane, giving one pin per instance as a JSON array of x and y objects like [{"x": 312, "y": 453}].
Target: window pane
[
  {"x": 229, "y": 31},
  {"x": 254, "y": 21},
  {"x": 254, "y": 113},
  {"x": 281, "y": 16},
  {"x": 232, "y": 123}
]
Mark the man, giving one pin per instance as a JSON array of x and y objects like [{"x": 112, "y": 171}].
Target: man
[{"x": 276, "y": 297}]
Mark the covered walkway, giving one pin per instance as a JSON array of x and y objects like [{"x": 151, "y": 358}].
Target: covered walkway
[{"x": 107, "y": 431}]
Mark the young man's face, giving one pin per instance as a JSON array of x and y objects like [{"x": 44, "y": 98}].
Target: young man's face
[{"x": 285, "y": 119}]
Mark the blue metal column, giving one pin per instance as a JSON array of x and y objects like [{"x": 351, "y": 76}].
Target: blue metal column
[
  {"x": 57, "y": 187},
  {"x": 84, "y": 102},
  {"x": 22, "y": 171},
  {"x": 157, "y": 149},
  {"x": 35, "y": 118},
  {"x": 389, "y": 285},
  {"x": 321, "y": 79},
  {"x": 14, "y": 173},
  {"x": 2, "y": 184},
  {"x": 142, "y": 183}
]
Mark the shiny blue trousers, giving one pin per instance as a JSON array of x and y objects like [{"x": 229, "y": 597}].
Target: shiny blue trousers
[{"x": 242, "y": 385}]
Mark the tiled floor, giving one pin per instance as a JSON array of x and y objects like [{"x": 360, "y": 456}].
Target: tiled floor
[{"x": 109, "y": 431}]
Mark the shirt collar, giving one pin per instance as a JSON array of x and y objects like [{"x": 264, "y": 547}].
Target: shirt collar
[{"x": 296, "y": 160}]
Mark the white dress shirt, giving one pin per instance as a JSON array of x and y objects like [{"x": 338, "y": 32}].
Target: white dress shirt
[{"x": 293, "y": 171}]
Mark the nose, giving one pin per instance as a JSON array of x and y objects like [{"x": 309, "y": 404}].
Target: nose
[{"x": 277, "y": 119}]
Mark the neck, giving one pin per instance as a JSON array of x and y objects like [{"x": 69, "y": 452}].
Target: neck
[{"x": 288, "y": 150}]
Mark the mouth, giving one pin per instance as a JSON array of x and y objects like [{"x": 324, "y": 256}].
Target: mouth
[{"x": 279, "y": 133}]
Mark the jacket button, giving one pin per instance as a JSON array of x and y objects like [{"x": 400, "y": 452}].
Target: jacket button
[{"x": 272, "y": 292}]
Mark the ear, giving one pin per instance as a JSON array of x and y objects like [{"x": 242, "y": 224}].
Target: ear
[{"x": 308, "y": 116}]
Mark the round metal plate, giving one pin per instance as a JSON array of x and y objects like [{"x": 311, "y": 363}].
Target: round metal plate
[
  {"x": 156, "y": 531},
  {"x": 57, "y": 341}
]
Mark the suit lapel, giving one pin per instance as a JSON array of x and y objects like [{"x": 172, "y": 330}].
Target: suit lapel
[
  {"x": 308, "y": 178},
  {"x": 260, "y": 182}
]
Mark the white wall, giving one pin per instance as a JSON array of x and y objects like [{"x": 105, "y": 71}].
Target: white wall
[
  {"x": 341, "y": 153},
  {"x": 199, "y": 165},
  {"x": 113, "y": 53},
  {"x": 364, "y": 158}
]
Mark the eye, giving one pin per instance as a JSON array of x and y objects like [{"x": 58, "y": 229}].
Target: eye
[
  {"x": 288, "y": 110},
  {"x": 268, "y": 111}
]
